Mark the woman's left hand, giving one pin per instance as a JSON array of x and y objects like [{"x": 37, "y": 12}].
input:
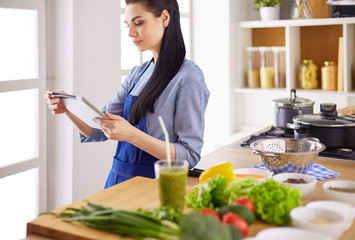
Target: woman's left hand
[{"x": 116, "y": 127}]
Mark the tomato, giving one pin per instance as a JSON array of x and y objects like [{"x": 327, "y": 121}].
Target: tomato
[
  {"x": 236, "y": 221},
  {"x": 209, "y": 211},
  {"x": 245, "y": 202}
]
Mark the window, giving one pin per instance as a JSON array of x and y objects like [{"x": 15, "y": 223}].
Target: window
[
  {"x": 130, "y": 57},
  {"x": 22, "y": 121}
]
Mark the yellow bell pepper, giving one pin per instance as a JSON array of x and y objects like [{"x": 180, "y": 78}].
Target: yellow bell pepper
[{"x": 223, "y": 168}]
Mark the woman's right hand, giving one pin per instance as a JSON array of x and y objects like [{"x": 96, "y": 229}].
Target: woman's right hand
[{"x": 55, "y": 104}]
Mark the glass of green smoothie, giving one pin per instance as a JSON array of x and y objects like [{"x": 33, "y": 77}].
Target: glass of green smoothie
[{"x": 172, "y": 182}]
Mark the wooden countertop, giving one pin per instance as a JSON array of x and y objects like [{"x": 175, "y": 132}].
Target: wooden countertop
[{"x": 128, "y": 195}]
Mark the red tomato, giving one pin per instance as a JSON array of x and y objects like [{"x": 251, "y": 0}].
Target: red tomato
[
  {"x": 236, "y": 221},
  {"x": 209, "y": 211},
  {"x": 245, "y": 202}
]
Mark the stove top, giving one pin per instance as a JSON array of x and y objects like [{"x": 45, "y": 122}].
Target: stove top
[{"x": 340, "y": 153}]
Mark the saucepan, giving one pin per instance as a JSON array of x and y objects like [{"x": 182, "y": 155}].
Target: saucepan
[
  {"x": 333, "y": 130},
  {"x": 287, "y": 108}
]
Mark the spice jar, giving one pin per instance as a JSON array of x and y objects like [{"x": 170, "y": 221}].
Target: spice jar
[
  {"x": 308, "y": 75},
  {"x": 253, "y": 67},
  {"x": 329, "y": 76},
  {"x": 267, "y": 69}
]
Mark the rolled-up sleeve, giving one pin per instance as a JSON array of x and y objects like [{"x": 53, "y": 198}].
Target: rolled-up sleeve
[{"x": 189, "y": 122}]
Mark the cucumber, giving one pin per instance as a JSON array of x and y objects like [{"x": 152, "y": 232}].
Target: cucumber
[
  {"x": 240, "y": 210},
  {"x": 236, "y": 234}
]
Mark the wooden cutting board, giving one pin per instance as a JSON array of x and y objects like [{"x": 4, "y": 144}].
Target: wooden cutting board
[{"x": 135, "y": 193}]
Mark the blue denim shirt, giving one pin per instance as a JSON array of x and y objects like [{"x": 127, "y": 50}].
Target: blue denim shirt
[{"x": 182, "y": 106}]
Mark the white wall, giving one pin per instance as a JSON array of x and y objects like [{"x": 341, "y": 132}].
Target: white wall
[
  {"x": 211, "y": 52},
  {"x": 59, "y": 76},
  {"x": 83, "y": 58}
]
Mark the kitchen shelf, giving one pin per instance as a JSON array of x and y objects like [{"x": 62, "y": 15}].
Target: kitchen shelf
[
  {"x": 259, "y": 90},
  {"x": 316, "y": 39},
  {"x": 297, "y": 22},
  {"x": 299, "y": 91}
]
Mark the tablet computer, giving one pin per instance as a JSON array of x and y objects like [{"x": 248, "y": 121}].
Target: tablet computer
[{"x": 80, "y": 107}]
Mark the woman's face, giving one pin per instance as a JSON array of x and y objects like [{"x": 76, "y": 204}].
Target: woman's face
[{"x": 145, "y": 30}]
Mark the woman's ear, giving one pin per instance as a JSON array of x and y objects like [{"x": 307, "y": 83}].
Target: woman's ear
[{"x": 165, "y": 16}]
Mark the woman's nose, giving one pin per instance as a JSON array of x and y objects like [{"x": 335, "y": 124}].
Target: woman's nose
[{"x": 132, "y": 32}]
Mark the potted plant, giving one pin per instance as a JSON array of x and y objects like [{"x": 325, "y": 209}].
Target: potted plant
[{"x": 269, "y": 9}]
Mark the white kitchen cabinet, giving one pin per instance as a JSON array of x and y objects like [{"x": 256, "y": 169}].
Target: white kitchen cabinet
[{"x": 303, "y": 39}]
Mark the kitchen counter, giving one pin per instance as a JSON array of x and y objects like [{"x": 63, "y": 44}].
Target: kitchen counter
[{"x": 128, "y": 196}]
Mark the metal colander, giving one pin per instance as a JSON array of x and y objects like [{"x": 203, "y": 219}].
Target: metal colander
[{"x": 288, "y": 154}]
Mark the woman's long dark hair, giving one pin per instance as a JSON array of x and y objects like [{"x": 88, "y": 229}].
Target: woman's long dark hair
[{"x": 171, "y": 57}]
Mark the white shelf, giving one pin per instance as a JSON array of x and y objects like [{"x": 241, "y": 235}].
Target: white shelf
[
  {"x": 254, "y": 106},
  {"x": 299, "y": 91},
  {"x": 260, "y": 90},
  {"x": 297, "y": 22}
]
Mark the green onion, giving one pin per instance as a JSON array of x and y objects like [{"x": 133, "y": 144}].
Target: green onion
[{"x": 127, "y": 223}]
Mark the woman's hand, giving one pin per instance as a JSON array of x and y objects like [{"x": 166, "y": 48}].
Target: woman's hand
[
  {"x": 55, "y": 104},
  {"x": 116, "y": 127}
]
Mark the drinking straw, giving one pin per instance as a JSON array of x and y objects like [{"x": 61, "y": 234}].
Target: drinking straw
[{"x": 166, "y": 140}]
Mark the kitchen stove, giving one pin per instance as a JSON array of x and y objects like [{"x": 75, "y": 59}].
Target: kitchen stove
[{"x": 339, "y": 153}]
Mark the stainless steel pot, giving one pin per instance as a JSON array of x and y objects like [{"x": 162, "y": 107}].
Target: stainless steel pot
[
  {"x": 332, "y": 130},
  {"x": 287, "y": 108}
]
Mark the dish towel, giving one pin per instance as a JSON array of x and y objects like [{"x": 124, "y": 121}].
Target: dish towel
[{"x": 318, "y": 171}]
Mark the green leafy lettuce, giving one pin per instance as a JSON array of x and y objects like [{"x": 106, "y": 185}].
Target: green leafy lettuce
[
  {"x": 236, "y": 189},
  {"x": 206, "y": 195},
  {"x": 273, "y": 201}
]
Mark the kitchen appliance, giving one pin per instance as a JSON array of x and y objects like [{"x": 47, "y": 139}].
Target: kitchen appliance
[
  {"x": 287, "y": 108},
  {"x": 288, "y": 154},
  {"x": 332, "y": 130}
]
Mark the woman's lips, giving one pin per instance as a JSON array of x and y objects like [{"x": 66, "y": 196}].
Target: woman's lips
[{"x": 137, "y": 42}]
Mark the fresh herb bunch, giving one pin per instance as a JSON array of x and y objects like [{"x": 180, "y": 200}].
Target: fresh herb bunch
[
  {"x": 127, "y": 223},
  {"x": 267, "y": 3},
  {"x": 164, "y": 213}
]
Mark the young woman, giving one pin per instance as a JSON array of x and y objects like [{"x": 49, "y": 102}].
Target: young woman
[{"x": 168, "y": 85}]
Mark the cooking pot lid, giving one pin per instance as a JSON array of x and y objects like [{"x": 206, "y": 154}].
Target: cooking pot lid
[
  {"x": 293, "y": 101},
  {"x": 321, "y": 121},
  {"x": 327, "y": 117}
]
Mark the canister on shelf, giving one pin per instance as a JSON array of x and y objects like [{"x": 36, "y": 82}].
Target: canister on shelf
[
  {"x": 254, "y": 58},
  {"x": 308, "y": 75},
  {"x": 329, "y": 75},
  {"x": 280, "y": 66},
  {"x": 267, "y": 69}
]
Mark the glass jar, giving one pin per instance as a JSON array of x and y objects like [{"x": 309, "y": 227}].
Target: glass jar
[
  {"x": 267, "y": 68},
  {"x": 280, "y": 66},
  {"x": 308, "y": 75},
  {"x": 253, "y": 67},
  {"x": 329, "y": 76}
]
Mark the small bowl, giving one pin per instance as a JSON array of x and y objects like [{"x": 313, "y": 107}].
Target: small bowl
[
  {"x": 253, "y": 171},
  {"x": 301, "y": 217},
  {"x": 281, "y": 233},
  {"x": 306, "y": 188},
  {"x": 348, "y": 197},
  {"x": 345, "y": 209}
]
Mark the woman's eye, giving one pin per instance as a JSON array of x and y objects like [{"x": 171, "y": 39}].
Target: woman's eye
[{"x": 138, "y": 23}]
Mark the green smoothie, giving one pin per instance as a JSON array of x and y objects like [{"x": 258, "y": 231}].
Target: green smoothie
[{"x": 172, "y": 186}]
